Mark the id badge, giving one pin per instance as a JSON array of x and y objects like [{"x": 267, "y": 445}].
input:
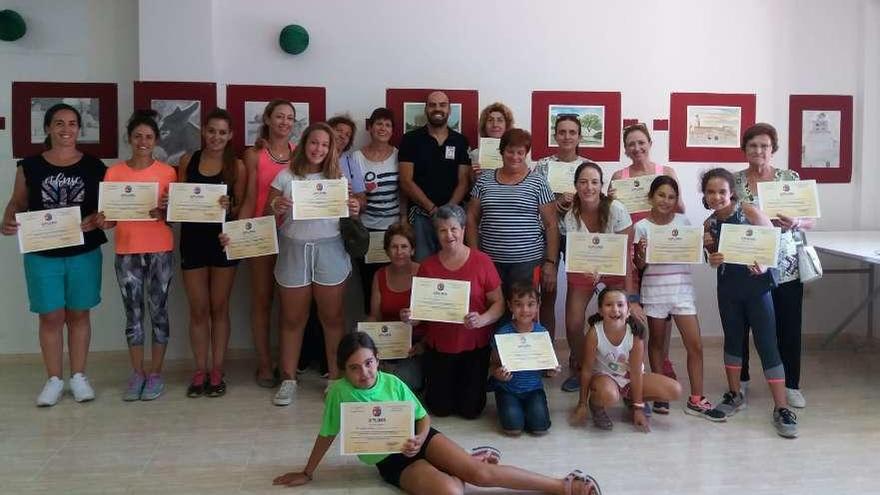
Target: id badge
[{"x": 450, "y": 152}]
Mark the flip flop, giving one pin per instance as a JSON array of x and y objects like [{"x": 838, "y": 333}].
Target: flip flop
[
  {"x": 487, "y": 453},
  {"x": 578, "y": 475}
]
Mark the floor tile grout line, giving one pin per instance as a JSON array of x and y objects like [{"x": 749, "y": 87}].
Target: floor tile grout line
[{"x": 55, "y": 453}]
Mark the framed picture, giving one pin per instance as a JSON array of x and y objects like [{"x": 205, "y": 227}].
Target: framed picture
[
  {"x": 182, "y": 108},
  {"x": 707, "y": 127},
  {"x": 408, "y": 106},
  {"x": 820, "y": 137},
  {"x": 96, "y": 103},
  {"x": 246, "y": 104},
  {"x": 598, "y": 113}
]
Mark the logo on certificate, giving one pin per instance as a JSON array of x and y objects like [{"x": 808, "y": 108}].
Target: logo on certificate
[
  {"x": 377, "y": 411},
  {"x": 522, "y": 340},
  {"x": 319, "y": 187},
  {"x": 749, "y": 232},
  {"x": 197, "y": 190},
  {"x": 127, "y": 189},
  {"x": 248, "y": 226},
  {"x": 48, "y": 217},
  {"x": 384, "y": 330},
  {"x": 674, "y": 232},
  {"x": 636, "y": 183},
  {"x": 596, "y": 241},
  {"x": 440, "y": 287},
  {"x": 786, "y": 188}
]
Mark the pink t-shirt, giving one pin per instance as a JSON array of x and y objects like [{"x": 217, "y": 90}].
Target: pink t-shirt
[
  {"x": 143, "y": 237},
  {"x": 267, "y": 169},
  {"x": 479, "y": 270}
]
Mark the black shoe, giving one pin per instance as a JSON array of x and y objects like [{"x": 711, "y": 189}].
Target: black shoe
[
  {"x": 198, "y": 384},
  {"x": 216, "y": 390}
]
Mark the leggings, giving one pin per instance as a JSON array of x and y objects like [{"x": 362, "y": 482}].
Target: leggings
[
  {"x": 739, "y": 311},
  {"x": 456, "y": 383},
  {"x": 152, "y": 271},
  {"x": 788, "y": 303}
]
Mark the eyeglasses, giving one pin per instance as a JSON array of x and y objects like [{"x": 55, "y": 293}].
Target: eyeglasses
[{"x": 640, "y": 126}]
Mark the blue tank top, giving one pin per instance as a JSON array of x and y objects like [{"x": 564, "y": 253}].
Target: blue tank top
[{"x": 738, "y": 279}]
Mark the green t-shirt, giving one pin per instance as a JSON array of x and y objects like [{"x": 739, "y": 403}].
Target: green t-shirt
[{"x": 388, "y": 388}]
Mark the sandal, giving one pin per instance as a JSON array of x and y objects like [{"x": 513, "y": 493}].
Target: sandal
[
  {"x": 588, "y": 481},
  {"x": 601, "y": 418},
  {"x": 487, "y": 454}
]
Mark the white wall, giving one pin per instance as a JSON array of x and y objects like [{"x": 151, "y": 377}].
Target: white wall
[{"x": 505, "y": 49}]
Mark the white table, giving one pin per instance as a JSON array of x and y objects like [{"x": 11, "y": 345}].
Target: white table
[{"x": 862, "y": 246}]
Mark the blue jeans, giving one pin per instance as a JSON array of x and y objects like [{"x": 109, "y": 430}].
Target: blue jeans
[
  {"x": 523, "y": 411},
  {"x": 426, "y": 236}
]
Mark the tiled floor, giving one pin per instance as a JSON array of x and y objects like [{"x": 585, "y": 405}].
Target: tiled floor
[{"x": 238, "y": 443}]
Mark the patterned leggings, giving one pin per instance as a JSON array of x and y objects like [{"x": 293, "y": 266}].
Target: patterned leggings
[{"x": 152, "y": 271}]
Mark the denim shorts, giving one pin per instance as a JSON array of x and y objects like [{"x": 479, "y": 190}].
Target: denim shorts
[{"x": 67, "y": 282}]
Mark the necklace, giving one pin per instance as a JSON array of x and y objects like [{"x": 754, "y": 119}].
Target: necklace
[{"x": 275, "y": 158}]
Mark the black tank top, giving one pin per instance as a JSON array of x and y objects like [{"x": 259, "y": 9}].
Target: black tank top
[{"x": 195, "y": 232}]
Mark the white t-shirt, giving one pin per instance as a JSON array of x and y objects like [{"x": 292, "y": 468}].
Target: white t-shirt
[
  {"x": 664, "y": 284},
  {"x": 303, "y": 230},
  {"x": 613, "y": 360},
  {"x": 381, "y": 184},
  {"x": 618, "y": 220}
]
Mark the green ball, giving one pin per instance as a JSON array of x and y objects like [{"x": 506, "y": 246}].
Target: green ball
[
  {"x": 294, "y": 39},
  {"x": 12, "y": 25}
]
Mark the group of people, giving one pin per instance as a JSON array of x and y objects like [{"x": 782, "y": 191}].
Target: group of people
[{"x": 443, "y": 216}]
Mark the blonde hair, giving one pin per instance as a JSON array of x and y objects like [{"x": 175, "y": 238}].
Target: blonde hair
[
  {"x": 330, "y": 165},
  {"x": 496, "y": 107}
]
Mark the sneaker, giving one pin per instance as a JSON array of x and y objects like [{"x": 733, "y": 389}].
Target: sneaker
[
  {"x": 153, "y": 388},
  {"x": 744, "y": 388},
  {"x": 135, "y": 386},
  {"x": 785, "y": 422},
  {"x": 795, "y": 398},
  {"x": 704, "y": 409},
  {"x": 51, "y": 393},
  {"x": 217, "y": 385},
  {"x": 82, "y": 390},
  {"x": 668, "y": 370},
  {"x": 198, "y": 384},
  {"x": 284, "y": 396},
  {"x": 601, "y": 418},
  {"x": 731, "y": 402},
  {"x": 660, "y": 407},
  {"x": 572, "y": 383}
]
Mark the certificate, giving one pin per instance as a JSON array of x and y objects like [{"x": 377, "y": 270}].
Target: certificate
[
  {"x": 49, "y": 229},
  {"x": 437, "y": 299},
  {"x": 128, "y": 201},
  {"x": 251, "y": 237},
  {"x": 375, "y": 427},
  {"x": 633, "y": 193},
  {"x": 376, "y": 251},
  {"x": 587, "y": 253},
  {"x": 747, "y": 244},
  {"x": 796, "y": 198},
  {"x": 393, "y": 338},
  {"x": 560, "y": 175},
  {"x": 674, "y": 244},
  {"x": 490, "y": 155},
  {"x": 198, "y": 203},
  {"x": 316, "y": 199},
  {"x": 526, "y": 351}
]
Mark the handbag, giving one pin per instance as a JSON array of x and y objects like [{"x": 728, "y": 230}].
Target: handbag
[
  {"x": 809, "y": 266},
  {"x": 355, "y": 236}
]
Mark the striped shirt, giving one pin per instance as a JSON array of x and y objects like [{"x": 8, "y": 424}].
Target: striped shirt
[
  {"x": 381, "y": 183},
  {"x": 511, "y": 230},
  {"x": 664, "y": 283}
]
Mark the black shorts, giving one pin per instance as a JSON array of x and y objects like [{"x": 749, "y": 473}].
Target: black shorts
[
  {"x": 200, "y": 247},
  {"x": 391, "y": 467}
]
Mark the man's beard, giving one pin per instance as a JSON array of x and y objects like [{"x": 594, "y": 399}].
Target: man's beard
[{"x": 440, "y": 123}]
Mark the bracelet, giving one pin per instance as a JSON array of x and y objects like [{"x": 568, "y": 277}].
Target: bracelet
[
  {"x": 551, "y": 261},
  {"x": 639, "y": 405},
  {"x": 272, "y": 203}
]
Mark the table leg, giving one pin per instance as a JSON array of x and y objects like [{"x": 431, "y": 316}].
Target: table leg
[{"x": 867, "y": 301}]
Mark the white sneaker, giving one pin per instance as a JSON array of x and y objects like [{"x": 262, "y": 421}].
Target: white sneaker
[
  {"x": 744, "y": 388},
  {"x": 51, "y": 393},
  {"x": 795, "y": 398},
  {"x": 284, "y": 395},
  {"x": 82, "y": 390}
]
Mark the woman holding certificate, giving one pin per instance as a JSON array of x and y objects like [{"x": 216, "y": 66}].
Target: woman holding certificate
[
  {"x": 759, "y": 143},
  {"x": 744, "y": 298},
  {"x": 208, "y": 274},
  {"x": 63, "y": 283},
  {"x": 495, "y": 120},
  {"x": 382, "y": 422},
  {"x": 144, "y": 253},
  {"x": 637, "y": 144},
  {"x": 593, "y": 211},
  {"x": 512, "y": 216},
  {"x": 312, "y": 260},
  {"x": 262, "y": 165},
  {"x": 457, "y": 359}
]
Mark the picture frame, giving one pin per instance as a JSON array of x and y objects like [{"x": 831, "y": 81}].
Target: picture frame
[
  {"x": 707, "y": 127},
  {"x": 820, "y": 137},
  {"x": 182, "y": 108},
  {"x": 245, "y": 103},
  {"x": 599, "y": 112},
  {"x": 97, "y": 103},
  {"x": 408, "y": 105}
]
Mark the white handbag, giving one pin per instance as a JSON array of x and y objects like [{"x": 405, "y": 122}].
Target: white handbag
[{"x": 809, "y": 266}]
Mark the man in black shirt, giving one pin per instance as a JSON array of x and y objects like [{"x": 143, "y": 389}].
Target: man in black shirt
[{"x": 434, "y": 168}]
